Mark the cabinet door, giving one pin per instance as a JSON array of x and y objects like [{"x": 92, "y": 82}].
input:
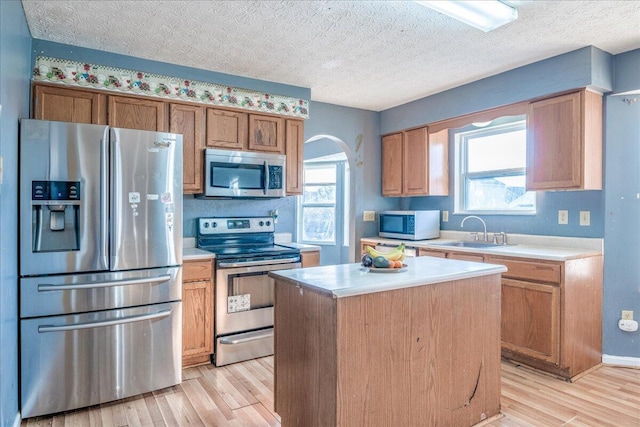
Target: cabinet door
[
  {"x": 266, "y": 133},
  {"x": 415, "y": 160},
  {"x": 69, "y": 105},
  {"x": 188, "y": 121},
  {"x": 392, "y": 154},
  {"x": 197, "y": 312},
  {"x": 554, "y": 143},
  {"x": 428, "y": 252},
  {"x": 227, "y": 129},
  {"x": 197, "y": 319},
  {"x": 438, "y": 166},
  {"x": 310, "y": 259},
  {"x": 530, "y": 319},
  {"x": 465, "y": 257},
  {"x": 136, "y": 113},
  {"x": 294, "y": 150}
]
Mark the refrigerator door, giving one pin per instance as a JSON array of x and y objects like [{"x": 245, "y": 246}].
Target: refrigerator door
[
  {"x": 146, "y": 199},
  {"x": 84, "y": 359},
  {"x": 63, "y": 197}
]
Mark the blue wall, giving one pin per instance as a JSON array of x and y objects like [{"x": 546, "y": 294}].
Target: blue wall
[
  {"x": 15, "y": 72},
  {"x": 622, "y": 207}
]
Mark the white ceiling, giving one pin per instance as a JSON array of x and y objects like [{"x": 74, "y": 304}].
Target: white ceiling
[{"x": 365, "y": 54}]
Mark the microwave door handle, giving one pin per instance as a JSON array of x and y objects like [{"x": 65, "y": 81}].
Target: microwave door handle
[{"x": 266, "y": 177}]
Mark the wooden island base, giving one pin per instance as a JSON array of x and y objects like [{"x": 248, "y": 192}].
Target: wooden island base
[{"x": 417, "y": 356}]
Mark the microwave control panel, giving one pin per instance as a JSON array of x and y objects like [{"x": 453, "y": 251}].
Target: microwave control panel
[{"x": 275, "y": 177}]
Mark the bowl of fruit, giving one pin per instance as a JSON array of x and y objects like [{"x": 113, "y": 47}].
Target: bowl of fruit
[{"x": 384, "y": 262}]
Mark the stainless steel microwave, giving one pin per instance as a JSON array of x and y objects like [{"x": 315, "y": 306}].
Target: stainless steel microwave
[
  {"x": 410, "y": 225},
  {"x": 244, "y": 174}
]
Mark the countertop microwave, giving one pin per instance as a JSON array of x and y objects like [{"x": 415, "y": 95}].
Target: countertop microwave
[
  {"x": 243, "y": 174},
  {"x": 410, "y": 225}
]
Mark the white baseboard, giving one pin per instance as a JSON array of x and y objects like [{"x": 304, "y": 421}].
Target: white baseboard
[{"x": 633, "y": 362}]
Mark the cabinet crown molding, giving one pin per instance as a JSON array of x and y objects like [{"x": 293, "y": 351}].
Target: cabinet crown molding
[{"x": 120, "y": 80}]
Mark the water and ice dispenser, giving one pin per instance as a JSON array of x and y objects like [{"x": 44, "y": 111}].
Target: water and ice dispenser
[{"x": 55, "y": 213}]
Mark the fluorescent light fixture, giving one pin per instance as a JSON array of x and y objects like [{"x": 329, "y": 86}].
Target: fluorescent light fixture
[{"x": 484, "y": 15}]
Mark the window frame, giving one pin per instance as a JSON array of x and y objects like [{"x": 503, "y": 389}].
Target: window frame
[
  {"x": 334, "y": 205},
  {"x": 462, "y": 175}
]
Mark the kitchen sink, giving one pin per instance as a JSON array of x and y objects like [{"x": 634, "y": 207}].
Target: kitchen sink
[{"x": 465, "y": 244}]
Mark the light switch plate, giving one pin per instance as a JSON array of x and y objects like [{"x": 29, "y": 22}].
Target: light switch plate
[
  {"x": 563, "y": 217},
  {"x": 585, "y": 218},
  {"x": 445, "y": 216},
  {"x": 369, "y": 216}
]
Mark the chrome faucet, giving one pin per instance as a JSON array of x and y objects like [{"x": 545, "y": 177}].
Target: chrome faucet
[{"x": 479, "y": 219}]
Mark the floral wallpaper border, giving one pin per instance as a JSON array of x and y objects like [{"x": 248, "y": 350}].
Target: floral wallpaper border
[{"x": 73, "y": 73}]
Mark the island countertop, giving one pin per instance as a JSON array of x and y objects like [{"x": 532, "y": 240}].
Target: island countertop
[{"x": 345, "y": 280}]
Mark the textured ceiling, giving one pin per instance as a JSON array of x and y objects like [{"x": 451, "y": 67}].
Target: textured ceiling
[{"x": 365, "y": 54}]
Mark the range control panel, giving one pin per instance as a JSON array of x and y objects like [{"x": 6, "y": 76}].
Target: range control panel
[{"x": 235, "y": 225}]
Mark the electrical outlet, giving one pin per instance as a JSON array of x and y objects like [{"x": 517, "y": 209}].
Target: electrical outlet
[
  {"x": 369, "y": 216},
  {"x": 563, "y": 217},
  {"x": 445, "y": 216},
  {"x": 585, "y": 218},
  {"x": 627, "y": 315}
]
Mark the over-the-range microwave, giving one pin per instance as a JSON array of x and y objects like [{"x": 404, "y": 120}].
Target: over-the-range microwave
[
  {"x": 243, "y": 174},
  {"x": 410, "y": 225}
]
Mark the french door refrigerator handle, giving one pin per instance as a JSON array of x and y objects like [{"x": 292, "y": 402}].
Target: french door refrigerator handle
[
  {"x": 45, "y": 287},
  {"x": 91, "y": 325},
  {"x": 104, "y": 199}
]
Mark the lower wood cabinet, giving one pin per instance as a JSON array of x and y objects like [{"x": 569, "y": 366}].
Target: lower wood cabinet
[
  {"x": 552, "y": 313},
  {"x": 310, "y": 258},
  {"x": 197, "y": 312}
]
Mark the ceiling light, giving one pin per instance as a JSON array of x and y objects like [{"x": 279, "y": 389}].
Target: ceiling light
[{"x": 484, "y": 15}]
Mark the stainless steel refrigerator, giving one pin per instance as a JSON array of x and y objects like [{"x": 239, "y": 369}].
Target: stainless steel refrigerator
[{"x": 100, "y": 264}]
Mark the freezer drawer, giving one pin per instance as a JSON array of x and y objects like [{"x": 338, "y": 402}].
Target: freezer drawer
[
  {"x": 78, "y": 293},
  {"x": 70, "y": 362}
]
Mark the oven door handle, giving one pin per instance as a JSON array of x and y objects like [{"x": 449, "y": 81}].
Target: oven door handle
[
  {"x": 262, "y": 262},
  {"x": 247, "y": 337}
]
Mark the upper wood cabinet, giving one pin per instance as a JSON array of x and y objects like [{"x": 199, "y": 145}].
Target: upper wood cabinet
[
  {"x": 294, "y": 149},
  {"x": 415, "y": 163},
  {"x": 136, "y": 113},
  {"x": 564, "y": 142},
  {"x": 68, "y": 105},
  {"x": 227, "y": 129},
  {"x": 188, "y": 120},
  {"x": 266, "y": 133}
]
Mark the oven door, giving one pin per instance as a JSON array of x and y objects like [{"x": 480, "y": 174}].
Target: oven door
[
  {"x": 244, "y": 311},
  {"x": 245, "y": 295}
]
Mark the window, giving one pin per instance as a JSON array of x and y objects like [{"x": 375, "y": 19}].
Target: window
[
  {"x": 491, "y": 171},
  {"x": 318, "y": 203}
]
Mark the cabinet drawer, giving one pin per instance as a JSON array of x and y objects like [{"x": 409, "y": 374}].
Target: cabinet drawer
[
  {"x": 537, "y": 271},
  {"x": 197, "y": 270}
]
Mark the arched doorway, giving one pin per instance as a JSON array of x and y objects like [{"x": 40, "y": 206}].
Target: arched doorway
[{"x": 325, "y": 211}]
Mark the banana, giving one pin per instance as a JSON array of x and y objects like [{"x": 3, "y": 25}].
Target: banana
[{"x": 397, "y": 254}]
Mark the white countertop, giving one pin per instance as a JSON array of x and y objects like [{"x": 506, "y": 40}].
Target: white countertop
[
  {"x": 303, "y": 247},
  {"x": 352, "y": 279},
  {"x": 550, "y": 248},
  {"x": 190, "y": 254}
]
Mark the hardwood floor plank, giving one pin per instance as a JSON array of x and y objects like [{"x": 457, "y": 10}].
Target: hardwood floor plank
[
  {"x": 206, "y": 408},
  {"x": 232, "y": 392},
  {"x": 241, "y": 395}
]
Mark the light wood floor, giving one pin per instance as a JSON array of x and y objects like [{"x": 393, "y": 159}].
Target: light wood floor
[{"x": 242, "y": 395}]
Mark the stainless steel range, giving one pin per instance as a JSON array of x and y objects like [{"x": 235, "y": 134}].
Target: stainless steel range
[{"x": 244, "y": 296}]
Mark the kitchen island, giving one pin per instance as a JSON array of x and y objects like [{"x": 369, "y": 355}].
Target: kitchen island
[{"x": 417, "y": 347}]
